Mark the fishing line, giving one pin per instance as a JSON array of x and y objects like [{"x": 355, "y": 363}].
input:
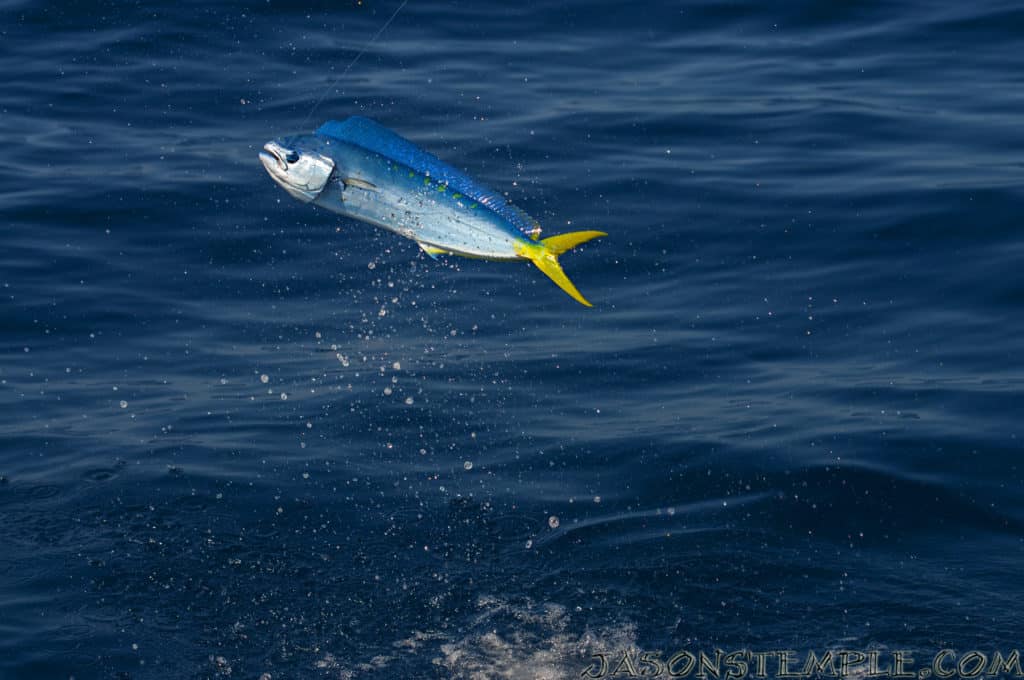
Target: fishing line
[{"x": 353, "y": 62}]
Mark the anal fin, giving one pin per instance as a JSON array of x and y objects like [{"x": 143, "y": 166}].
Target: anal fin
[{"x": 433, "y": 251}]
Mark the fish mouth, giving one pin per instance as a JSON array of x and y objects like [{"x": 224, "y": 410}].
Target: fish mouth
[
  {"x": 272, "y": 158},
  {"x": 301, "y": 172}
]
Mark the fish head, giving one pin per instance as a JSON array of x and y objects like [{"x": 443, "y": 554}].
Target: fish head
[{"x": 299, "y": 164}]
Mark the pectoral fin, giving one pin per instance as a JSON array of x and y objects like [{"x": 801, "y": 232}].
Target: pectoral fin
[{"x": 360, "y": 183}]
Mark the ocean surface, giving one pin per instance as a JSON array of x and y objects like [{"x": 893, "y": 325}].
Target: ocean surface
[{"x": 244, "y": 437}]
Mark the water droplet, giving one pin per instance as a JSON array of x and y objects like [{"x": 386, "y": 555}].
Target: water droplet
[
  {"x": 124, "y": 404},
  {"x": 553, "y": 522},
  {"x": 284, "y": 396},
  {"x": 264, "y": 378},
  {"x": 468, "y": 465},
  {"x": 408, "y": 401}
]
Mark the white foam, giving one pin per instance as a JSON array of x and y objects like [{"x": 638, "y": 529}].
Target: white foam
[
  {"x": 503, "y": 640},
  {"x": 524, "y": 639}
]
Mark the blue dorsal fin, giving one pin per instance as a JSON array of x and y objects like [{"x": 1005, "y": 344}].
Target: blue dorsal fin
[{"x": 372, "y": 136}]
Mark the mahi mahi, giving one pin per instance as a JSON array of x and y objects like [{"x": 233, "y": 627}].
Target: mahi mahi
[{"x": 363, "y": 170}]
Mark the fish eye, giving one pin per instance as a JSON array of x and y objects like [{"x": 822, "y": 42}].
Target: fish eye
[{"x": 291, "y": 157}]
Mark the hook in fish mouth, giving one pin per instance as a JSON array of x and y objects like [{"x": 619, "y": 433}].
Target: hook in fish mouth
[
  {"x": 275, "y": 154},
  {"x": 298, "y": 166}
]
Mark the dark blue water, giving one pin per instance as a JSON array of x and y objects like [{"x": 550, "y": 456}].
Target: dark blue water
[{"x": 243, "y": 436}]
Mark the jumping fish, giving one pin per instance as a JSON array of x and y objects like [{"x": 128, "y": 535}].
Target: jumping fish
[{"x": 363, "y": 170}]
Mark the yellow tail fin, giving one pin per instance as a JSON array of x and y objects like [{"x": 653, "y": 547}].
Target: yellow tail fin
[
  {"x": 563, "y": 242},
  {"x": 545, "y": 256}
]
